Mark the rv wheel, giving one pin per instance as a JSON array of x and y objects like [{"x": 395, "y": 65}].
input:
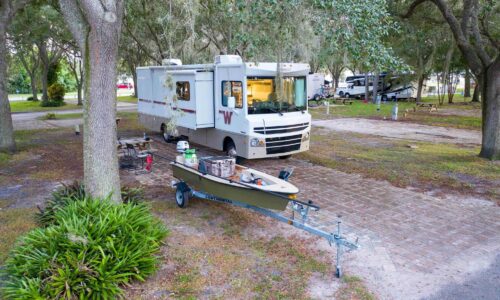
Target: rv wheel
[
  {"x": 182, "y": 196},
  {"x": 164, "y": 133},
  {"x": 341, "y": 94},
  {"x": 347, "y": 95},
  {"x": 231, "y": 149}
]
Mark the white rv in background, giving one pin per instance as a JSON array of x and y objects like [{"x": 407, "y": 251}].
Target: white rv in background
[
  {"x": 355, "y": 87},
  {"x": 229, "y": 105},
  {"x": 315, "y": 83}
]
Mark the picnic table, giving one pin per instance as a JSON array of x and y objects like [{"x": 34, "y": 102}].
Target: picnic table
[
  {"x": 344, "y": 101},
  {"x": 431, "y": 106},
  {"x": 135, "y": 153}
]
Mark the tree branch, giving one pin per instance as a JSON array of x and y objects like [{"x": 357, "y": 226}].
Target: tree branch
[
  {"x": 412, "y": 8},
  {"x": 76, "y": 22}
]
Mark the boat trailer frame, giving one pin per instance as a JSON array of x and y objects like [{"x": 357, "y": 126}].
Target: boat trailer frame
[{"x": 299, "y": 207}]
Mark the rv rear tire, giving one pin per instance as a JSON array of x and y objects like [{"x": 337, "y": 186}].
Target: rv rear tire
[{"x": 347, "y": 95}]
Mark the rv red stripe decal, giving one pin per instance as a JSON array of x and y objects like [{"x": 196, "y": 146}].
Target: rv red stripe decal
[{"x": 191, "y": 111}]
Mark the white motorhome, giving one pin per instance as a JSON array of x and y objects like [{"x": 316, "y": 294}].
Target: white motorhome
[
  {"x": 229, "y": 105},
  {"x": 355, "y": 87},
  {"x": 401, "y": 92},
  {"x": 315, "y": 83}
]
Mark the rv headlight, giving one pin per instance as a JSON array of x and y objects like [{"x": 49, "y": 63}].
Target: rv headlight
[
  {"x": 305, "y": 136},
  {"x": 255, "y": 142}
]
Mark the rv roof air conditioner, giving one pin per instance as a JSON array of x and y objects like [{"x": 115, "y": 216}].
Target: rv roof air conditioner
[
  {"x": 228, "y": 59},
  {"x": 171, "y": 62}
]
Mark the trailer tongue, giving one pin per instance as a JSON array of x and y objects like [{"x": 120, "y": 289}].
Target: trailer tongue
[{"x": 193, "y": 183}]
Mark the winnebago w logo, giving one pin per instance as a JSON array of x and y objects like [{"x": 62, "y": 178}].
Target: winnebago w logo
[{"x": 227, "y": 116}]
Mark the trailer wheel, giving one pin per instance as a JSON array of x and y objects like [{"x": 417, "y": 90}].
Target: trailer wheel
[
  {"x": 182, "y": 195},
  {"x": 341, "y": 94},
  {"x": 338, "y": 272},
  {"x": 347, "y": 95}
]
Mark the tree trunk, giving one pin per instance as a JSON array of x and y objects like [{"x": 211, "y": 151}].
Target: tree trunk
[
  {"x": 132, "y": 70},
  {"x": 476, "y": 93},
  {"x": 134, "y": 79},
  {"x": 100, "y": 158},
  {"x": 32, "y": 74},
  {"x": 335, "y": 83},
  {"x": 451, "y": 90},
  {"x": 33, "y": 88},
  {"x": 79, "y": 94},
  {"x": 420, "y": 87},
  {"x": 467, "y": 84},
  {"x": 45, "y": 82},
  {"x": 97, "y": 32},
  {"x": 375, "y": 88},
  {"x": 490, "y": 85},
  {"x": 44, "y": 59},
  {"x": 6, "y": 129},
  {"x": 367, "y": 90}
]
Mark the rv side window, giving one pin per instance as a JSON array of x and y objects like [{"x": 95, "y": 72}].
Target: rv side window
[
  {"x": 182, "y": 90},
  {"x": 232, "y": 89}
]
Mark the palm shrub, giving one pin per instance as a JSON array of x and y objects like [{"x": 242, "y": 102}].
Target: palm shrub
[
  {"x": 90, "y": 250},
  {"x": 75, "y": 191}
]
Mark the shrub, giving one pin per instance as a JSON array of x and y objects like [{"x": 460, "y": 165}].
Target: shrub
[
  {"x": 75, "y": 191},
  {"x": 56, "y": 92},
  {"x": 56, "y": 96},
  {"x": 50, "y": 116},
  {"x": 51, "y": 103},
  {"x": 92, "y": 248}
]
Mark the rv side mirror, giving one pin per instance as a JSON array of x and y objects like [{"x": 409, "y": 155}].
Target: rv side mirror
[{"x": 231, "y": 102}]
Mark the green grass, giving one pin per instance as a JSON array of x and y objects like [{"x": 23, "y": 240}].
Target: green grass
[
  {"x": 129, "y": 99},
  {"x": 62, "y": 116},
  {"x": 422, "y": 116},
  {"x": 31, "y": 106},
  {"x": 430, "y": 166},
  {"x": 13, "y": 223}
]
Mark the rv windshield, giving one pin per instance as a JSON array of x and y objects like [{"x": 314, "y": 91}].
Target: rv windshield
[{"x": 262, "y": 95}]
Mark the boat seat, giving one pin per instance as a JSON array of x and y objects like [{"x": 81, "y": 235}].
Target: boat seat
[{"x": 285, "y": 173}]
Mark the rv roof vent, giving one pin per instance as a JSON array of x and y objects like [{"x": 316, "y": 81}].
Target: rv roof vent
[
  {"x": 228, "y": 59},
  {"x": 171, "y": 62}
]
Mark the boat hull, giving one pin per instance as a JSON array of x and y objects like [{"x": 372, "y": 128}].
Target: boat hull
[{"x": 204, "y": 183}]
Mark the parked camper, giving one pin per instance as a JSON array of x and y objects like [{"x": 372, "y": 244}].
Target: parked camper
[
  {"x": 228, "y": 105},
  {"x": 355, "y": 87},
  {"x": 315, "y": 86},
  {"x": 403, "y": 92}
]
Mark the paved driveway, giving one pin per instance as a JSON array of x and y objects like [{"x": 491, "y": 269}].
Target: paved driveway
[
  {"x": 31, "y": 120},
  {"x": 413, "y": 245}
]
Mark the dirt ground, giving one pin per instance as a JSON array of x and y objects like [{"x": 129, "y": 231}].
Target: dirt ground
[
  {"x": 213, "y": 251},
  {"x": 413, "y": 245}
]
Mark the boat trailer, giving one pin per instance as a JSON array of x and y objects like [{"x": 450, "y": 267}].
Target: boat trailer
[{"x": 184, "y": 192}]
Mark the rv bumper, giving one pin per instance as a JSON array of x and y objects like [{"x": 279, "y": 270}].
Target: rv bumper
[{"x": 272, "y": 146}]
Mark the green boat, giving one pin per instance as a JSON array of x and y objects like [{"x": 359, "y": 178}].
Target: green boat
[{"x": 262, "y": 190}]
